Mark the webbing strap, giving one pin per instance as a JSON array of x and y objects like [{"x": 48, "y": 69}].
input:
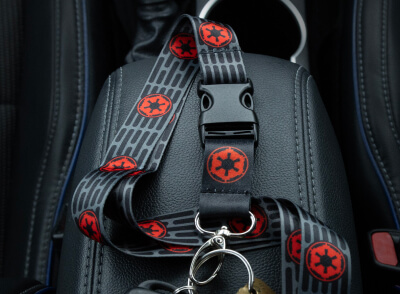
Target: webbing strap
[
  {"x": 314, "y": 258},
  {"x": 227, "y": 174},
  {"x": 139, "y": 144}
]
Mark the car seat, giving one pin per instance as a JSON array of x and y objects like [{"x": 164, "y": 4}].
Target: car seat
[
  {"x": 297, "y": 158},
  {"x": 370, "y": 124}
]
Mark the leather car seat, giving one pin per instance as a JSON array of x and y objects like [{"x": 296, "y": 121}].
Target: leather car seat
[
  {"x": 54, "y": 57},
  {"x": 297, "y": 158},
  {"x": 61, "y": 77},
  {"x": 371, "y": 124}
]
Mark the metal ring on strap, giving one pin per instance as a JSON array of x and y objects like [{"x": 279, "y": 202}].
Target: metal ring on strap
[{"x": 224, "y": 230}]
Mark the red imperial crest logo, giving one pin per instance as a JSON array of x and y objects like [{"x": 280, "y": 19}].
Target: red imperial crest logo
[
  {"x": 293, "y": 246},
  {"x": 215, "y": 35},
  {"x": 153, "y": 228},
  {"x": 325, "y": 261},
  {"x": 239, "y": 225},
  {"x": 119, "y": 163},
  {"x": 89, "y": 225},
  {"x": 177, "y": 248},
  {"x": 183, "y": 46},
  {"x": 227, "y": 164},
  {"x": 136, "y": 173},
  {"x": 154, "y": 105}
]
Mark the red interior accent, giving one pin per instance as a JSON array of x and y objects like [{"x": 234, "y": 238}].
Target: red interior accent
[{"x": 384, "y": 250}]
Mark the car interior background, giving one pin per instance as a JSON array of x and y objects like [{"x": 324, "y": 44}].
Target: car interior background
[{"x": 71, "y": 71}]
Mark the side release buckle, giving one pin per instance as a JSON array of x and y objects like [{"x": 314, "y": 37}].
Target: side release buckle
[{"x": 227, "y": 111}]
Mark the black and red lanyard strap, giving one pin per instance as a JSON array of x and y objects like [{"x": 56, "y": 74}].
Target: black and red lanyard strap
[{"x": 314, "y": 257}]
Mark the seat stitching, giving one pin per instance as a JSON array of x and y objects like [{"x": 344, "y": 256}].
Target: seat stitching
[
  {"x": 49, "y": 142},
  {"x": 118, "y": 103},
  {"x": 100, "y": 267},
  {"x": 102, "y": 157},
  {"x": 71, "y": 145},
  {"x": 100, "y": 274},
  {"x": 113, "y": 130},
  {"x": 100, "y": 160},
  {"x": 385, "y": 81},
  {"x": 104, "y": 121},
  {"x": 109, "y": 115},
  {"x": 85, "y": 284},
  {"x": 297, "y": 135},
  {"x": 310, "y": 149},
  {"x": 365, "y": 110},
  {"x": 101, "y": 142}
]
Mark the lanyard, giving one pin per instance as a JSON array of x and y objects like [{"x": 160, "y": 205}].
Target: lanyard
[{"x": 314, "y": 258}]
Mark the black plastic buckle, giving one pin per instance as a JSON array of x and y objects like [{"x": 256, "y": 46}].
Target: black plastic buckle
[{"x": 227, "y": 111}]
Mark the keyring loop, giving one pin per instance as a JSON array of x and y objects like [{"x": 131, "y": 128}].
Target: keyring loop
[
  {"x": 217, "y": 252},
  {"x": 225, "y": 232},
  {"x": 215, "y": 242},
  {"x": 191, "y": 289}
]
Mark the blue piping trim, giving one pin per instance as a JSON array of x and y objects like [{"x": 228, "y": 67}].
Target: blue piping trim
[
  {"x": 359, "y": 119},
  {"x": 81, "y": 133},
  {"x": 45, "y": 290},
  {"x": 49, "y": 262}
]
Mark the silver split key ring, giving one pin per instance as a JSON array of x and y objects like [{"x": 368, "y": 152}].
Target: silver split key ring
[
  {"x": 190, "y": 288},
  {"x": 219, "y": 252},
  {"x": 215, "y": 246},
  {"x": 216, "y": 242}
]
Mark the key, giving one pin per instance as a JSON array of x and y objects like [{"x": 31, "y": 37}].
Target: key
[{"x": 259, "y": 287}]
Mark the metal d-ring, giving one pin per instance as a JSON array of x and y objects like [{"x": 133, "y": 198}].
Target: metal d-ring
[
  {"x": 224, "y": 230},
  {"x": 222, "y": 252}
]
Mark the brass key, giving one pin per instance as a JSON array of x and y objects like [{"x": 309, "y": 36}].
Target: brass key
[{"x": 259, "y": 287}]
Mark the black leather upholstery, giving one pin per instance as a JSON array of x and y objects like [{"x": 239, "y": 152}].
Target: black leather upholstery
[
  {"x": 371, "y": 124},
  {"x": 25, "y": 286},
  {"x": 297, "y": 158},
  {"x": 377, "y": 69},
  {"x": 11, "y": 38},
  {"x": 59, "y": 82}
]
